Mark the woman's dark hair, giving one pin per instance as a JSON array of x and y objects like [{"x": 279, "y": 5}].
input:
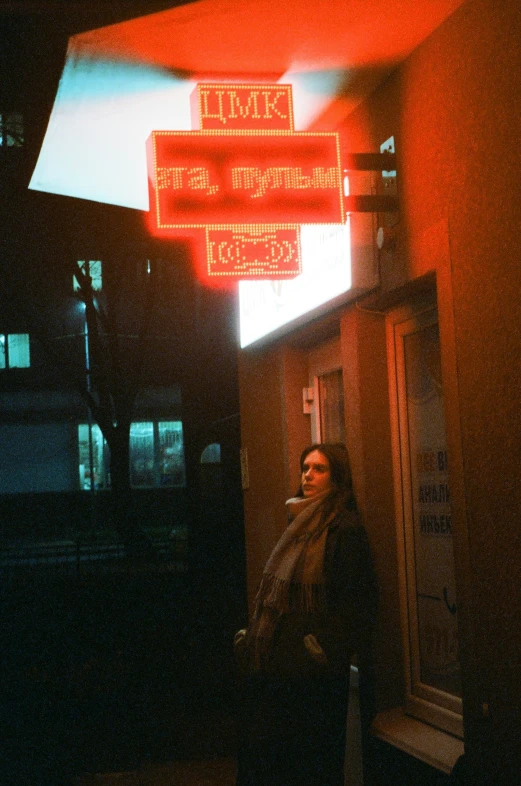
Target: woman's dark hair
[{"x": 336, "y": 453}]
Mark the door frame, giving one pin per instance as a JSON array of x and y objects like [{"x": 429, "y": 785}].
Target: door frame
[
  {"x": 322, "y": 359},
  {"x": 447, "y": 714}
]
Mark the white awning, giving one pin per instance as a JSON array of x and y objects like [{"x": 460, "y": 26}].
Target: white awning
[{"x": 123, "y": 81}]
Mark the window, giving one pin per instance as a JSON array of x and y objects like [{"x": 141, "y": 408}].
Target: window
[
  {"x": 211, "y": 454},
  {"x": 429, "y": 605},
  {"x": 94, "y": 458},
  {"x": 156, "y": 456},
  {"x": 211, "y": 476},
  {"x": 92, "y": 269},
  {"x": 11, "y": 129},
  {"x": 14, "y": 350},
  {"x": 331, "y": 406},
  {"x": 35, "y": 458}
]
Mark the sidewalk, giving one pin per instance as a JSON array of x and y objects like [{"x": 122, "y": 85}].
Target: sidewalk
[
  {"x": 217, "y": 772},
  {"x": 204, "y": 756}
]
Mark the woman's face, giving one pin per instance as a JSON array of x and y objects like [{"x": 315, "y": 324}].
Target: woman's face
[{"x": 316, "y": 475}]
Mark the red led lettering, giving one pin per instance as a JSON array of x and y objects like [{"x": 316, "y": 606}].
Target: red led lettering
[
  {"x": 253, "y": 252},
  {"x": 242, "y": 107},
  {"x": 199, "y": 178}
]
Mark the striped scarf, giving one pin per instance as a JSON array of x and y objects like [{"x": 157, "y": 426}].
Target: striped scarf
[{"x": 293, "y": 579}]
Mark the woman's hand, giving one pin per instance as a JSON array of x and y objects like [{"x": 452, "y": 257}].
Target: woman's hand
[
  {"x": 239, "y": 637},
  {"x": 314, "y": 649},
  {"x": 240, "y": 650}
]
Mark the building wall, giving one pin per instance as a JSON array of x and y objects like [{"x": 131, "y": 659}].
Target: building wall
[
  {"x": 460, "y": 117},
  {"x": 363, "y": 342},
  {"x": 454, "y": 108},
  {"x": 262, "y": 436}
]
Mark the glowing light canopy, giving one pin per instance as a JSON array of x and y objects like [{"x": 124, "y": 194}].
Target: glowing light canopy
[
  {"x": 270, "y": 307},
  {"x": 122, "y": 81}
]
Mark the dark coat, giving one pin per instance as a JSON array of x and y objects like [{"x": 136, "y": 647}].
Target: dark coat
[
  {"x": 351, "y": 593},
  {"x": 292, "y": 717}
]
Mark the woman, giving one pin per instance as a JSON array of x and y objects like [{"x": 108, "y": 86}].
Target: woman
[{"x": 314, "y": 610}]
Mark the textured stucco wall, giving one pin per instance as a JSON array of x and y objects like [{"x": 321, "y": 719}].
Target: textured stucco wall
[
  {"x": 274, "y": 430},
  {"x": 455, "y": 109},
  {"x": 262, "y": 435},
  {"x": 364, "y": 360},
  {"x": 460, "y": 123}
]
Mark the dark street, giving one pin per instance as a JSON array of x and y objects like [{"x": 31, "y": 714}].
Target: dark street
[
  {"x": 112, "y": 672},
  {"x": 127, "y": 677}
]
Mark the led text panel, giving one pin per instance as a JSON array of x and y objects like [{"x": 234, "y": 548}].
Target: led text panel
[
  {"x": 228, "y": 107},
  {"x": 253, "y": 252},
  {"x": 277, "y": 178}
]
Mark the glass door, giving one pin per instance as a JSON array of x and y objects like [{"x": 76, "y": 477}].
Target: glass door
[{"x": 424, "y": 523}]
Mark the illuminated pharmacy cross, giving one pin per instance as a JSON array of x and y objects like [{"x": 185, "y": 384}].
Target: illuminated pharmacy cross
[{"x": 245, "y": 180}]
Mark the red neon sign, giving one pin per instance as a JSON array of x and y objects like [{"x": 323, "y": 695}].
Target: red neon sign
[
  {"x": 242, "y": 107},
  {"x": 202, "y": 178},
  {"x": 245, "y": 181},
  {"x": 253, "y": 252}
]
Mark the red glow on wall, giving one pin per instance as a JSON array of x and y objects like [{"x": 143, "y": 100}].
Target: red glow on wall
[
  {"x": 226, "y": 38},
  {"x": 205, "y": 178}
]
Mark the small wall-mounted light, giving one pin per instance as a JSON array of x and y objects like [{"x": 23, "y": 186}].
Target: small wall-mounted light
[
  {"x": 386, "y": 238},
  {"x": 369, "y": 162}
]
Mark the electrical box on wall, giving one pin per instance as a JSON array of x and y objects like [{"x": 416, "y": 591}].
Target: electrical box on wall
[
  {"x": 371, "y": 200},
  {"x": 308, "y": 396},
  {"x": 386, "y": 230},
  {"x": 389, "y": 177}
]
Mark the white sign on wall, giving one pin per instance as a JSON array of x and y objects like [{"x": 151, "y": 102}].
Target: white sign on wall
[{"x": 267, "y": 306}]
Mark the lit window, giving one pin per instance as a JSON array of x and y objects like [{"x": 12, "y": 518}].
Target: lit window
[
  {"x": 156, "y": 456},
  {"x": 92, "y": 268},
  {"x": 11, "y": 129},
  {"x": 93, "y": 457},
  {"x": 14, "y": 350}
]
